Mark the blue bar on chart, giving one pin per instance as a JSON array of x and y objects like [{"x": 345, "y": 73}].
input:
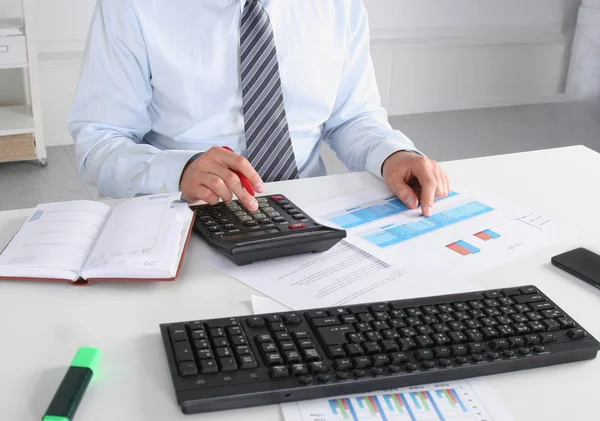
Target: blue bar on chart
[
  {"x": 370, "y": 211},
  {"x": 392, "y": 234}
]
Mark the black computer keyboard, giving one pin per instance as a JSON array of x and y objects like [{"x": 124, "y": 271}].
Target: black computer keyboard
[{"x": 273, "y": 358}]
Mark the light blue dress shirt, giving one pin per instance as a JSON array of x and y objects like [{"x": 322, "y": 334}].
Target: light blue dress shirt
[{"x": 160, "y": 82}]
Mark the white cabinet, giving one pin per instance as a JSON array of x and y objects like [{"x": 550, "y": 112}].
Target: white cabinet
[{"x": 21, "y": 131}]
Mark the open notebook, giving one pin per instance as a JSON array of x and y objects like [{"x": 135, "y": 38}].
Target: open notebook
[{"x": 140, "y": 239}]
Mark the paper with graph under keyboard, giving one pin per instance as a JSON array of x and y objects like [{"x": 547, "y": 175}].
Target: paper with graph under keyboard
[{"x": 378, "y": 223}]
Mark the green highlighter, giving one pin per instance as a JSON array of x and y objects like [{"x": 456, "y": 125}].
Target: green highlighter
[{"x": 72, "y": 388}]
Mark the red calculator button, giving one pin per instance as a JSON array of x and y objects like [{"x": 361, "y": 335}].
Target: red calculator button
[
  {"x": 276, "y": 198},
  {"x": 296, "y": 226}
]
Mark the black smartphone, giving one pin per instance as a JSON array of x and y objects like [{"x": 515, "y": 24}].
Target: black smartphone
[{"x": 581, "y": 263}]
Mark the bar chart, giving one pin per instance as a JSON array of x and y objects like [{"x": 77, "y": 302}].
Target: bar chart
[
  {"x": 369, "y": 211},
  {"x": 392, "y": 234},
  {"x": 447, "y": 402}
]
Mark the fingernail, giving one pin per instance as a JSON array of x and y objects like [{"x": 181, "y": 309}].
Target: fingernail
[
  {"x": 253, "y": 205},
  {"x": 410, "y": 202},
  {"x": 259, "y": 187},
  {"x": 427, "y": 211}
]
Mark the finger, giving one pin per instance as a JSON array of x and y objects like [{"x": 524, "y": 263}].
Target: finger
[
  {"x": 405, "y": 193},
  {"x": 203, "y": 193},
  {"x": 424, "y": 173},
  {"x": 217, "y": 186},
  {"x": 440, "y": 190},
  {"x": 241, "y": 164},
  {"x": 234, "y": 184}
]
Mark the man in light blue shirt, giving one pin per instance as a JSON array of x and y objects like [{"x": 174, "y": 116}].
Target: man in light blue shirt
[{"x": 160, "y": 93}]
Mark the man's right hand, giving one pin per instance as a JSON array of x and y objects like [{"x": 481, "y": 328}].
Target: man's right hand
[{"x": 211, "y": 177}]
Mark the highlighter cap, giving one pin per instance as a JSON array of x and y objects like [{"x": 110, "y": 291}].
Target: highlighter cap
[{"x": 87, "y": 357}]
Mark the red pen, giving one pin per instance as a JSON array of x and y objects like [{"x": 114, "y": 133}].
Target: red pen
[{"x": 245, "y": 182}]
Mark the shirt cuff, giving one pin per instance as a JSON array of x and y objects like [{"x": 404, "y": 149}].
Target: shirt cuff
[
  {"x": 382, "y": 152},
  {"x": 165, "y": 170}
]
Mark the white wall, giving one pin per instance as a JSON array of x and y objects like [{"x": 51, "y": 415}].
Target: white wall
[{"x": 430, "y": 55}]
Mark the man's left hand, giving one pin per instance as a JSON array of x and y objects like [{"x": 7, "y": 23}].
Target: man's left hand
[{"x": 415, "y": 178}]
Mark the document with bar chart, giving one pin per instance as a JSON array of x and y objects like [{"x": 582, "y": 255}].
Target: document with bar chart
[
  {"x": 452, "y": 401},
  {"x": 380, "y": 224}
]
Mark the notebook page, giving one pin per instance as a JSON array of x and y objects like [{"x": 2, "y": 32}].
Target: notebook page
[
  {"x": 56, "y": 238},
  {"x": 140, "y": 238}
]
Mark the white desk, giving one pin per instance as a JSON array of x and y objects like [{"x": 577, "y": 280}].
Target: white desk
[{"x": 42, "y": 325}]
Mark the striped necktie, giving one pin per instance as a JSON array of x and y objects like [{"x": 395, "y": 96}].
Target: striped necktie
[{"x": 268, "y": 142}]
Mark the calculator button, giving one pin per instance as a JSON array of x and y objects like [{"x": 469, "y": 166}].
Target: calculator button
[
  {"x": 279, "y": 219},
  {"x": 251, "y": 223},
  {"x": 300, "y": 216},
  {"x": 229, "y": 226},
  {"x": 218, "y": 215},
  {"x": 267, "y": 209},
  {"x": 239, "y": 213},
  {"x": 277, "y": 197},
  {"x": 261, "y": 199},
  {"x": 214, "y": 229},
  {"x": 293, "y": 211},
  {"x": 245, "y": 218},
  {"x": 223, "y": 221},
  {"x": 256, "y": 212},
  {"x": 265, "y": 221},
  {"x": 296, "y": 226},
  {"x": 259, "y": 216},
  {"x": 286, "y": 207},
  {"x": 273, "y": 214},
  {"x": 263, "y": 205},
  {"x": 282, "y": 202},
  {"x": 210, "y": 223},
  {"x": 235, "y": 208}
]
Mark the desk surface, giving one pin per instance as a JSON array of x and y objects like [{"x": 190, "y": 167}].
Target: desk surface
[{"x": 43, "y": 324}]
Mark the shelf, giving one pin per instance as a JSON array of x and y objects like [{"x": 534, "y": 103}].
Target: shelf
[
  {"x": 16, "y": 120},
  {"x": 13, "y": 66}
]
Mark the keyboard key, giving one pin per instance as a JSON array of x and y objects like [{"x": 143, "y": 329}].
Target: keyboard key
[
  {"x": 440, "y": 339},
  {"x": 390, "y": 334},
  {"x": 239, "y": 340},
  {"x": 424, "y": 330},
  {"x": 268, "y": 347},
  {"x": 423, "y": 341},
  {"x": 183, "y": 351},
  {"x": 273, "y": 358},
  {"x": 548, "y": 337},
  {"x": 475, "y": 348},
  {"x": 375, "y": 336},
  {"x": 335, "y": 351},
  {"x": 177, "y": 333},
  {"x": 538, "y": 348},
  {"x": 287, "y": 346},
  {"x": 208, "y": 366},
  {"x": 220, "y": 342},
  {"x": 411, "y": 367},
  {"x": 318, "y": 367},
  {"x": 188, "y": 368},
  {"x": 441, "y": 328},
  {"x": 224, "y": 352},
  {"x": 492, "y": 294},
  {"x": 460, "y": 360},
  {"x": 217, "y": 332},
  {"x": 299, "y": 369},
  {"x": 576, "y": 333},
  {"x": 323, "y": 378},
  {"x": 431, "y": 310},
  {"x": 457, "y": 337},
  {"x": 535, "y": 326},
  {"x": 389, "y": 345},
  {"x": 508, "y": 352},
  {"x": 353, "y": 349},
  {"x": 276, "y": 326},
  {"x": 506, "y": 301},
  {"x": 473, "y": 335},
  {"x": 423, "y": 354},
  {"x": 522, "y": 308},
  {"x": 520, "y": 328},
  {"x": 551, "y": 325},
  {"x": 458, "y": 349},
  {"x": 310, "y": 354},
  {"x": 490, "y": 302},
  {"x": 203, "y": 354},
  {"x": 355, "y": 338},
  {"x": 532, "y": 339},
  {"x": 524, "y": 351},
  {"x": 292, "y": 319},
  {"x": 477, "y": 357},
  {"x": 489, "y": 333},
  {"x": 379, "y": 325},
  {"x": 282, "y": 336},
  {"x": 306, "y": 343},
  {"x": 380, "y": 360},
  {"x": 292, "y": 357},
  {"x": 325, "y": 321},
  {"x": 201, "y": 344},
  {"x": 442, "y": 351},
  {"x": 371, "y": 348},
  {"x": 256, "y": 321},
  {"x": 445, "y": 362},
  {"x": 566, "y": 323},
  {"x": 406, "y": 344},
  {"x": 527, "y": 290},
  {"x": 278, "y": 372},
  {"x": 528, "y": 298},
  {"x": 247, "y": 361},
  {"x": 497, "y": 344},
  {"x": 242, "y": 350},
  {"x": 264, "y": 338},
  {"x": 516, "y": 342},
  {"x": 361, "y": 362},
  {"x": 342, "y": 364},
  {"x": 551, "y": 314}
]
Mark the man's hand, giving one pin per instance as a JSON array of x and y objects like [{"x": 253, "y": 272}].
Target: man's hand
[
  {"x": 211, "y": 177},
  {"x": 414, "y": 178}
]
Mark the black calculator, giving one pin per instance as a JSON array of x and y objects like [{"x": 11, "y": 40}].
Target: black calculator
[{"x": 278, "y": 228}]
